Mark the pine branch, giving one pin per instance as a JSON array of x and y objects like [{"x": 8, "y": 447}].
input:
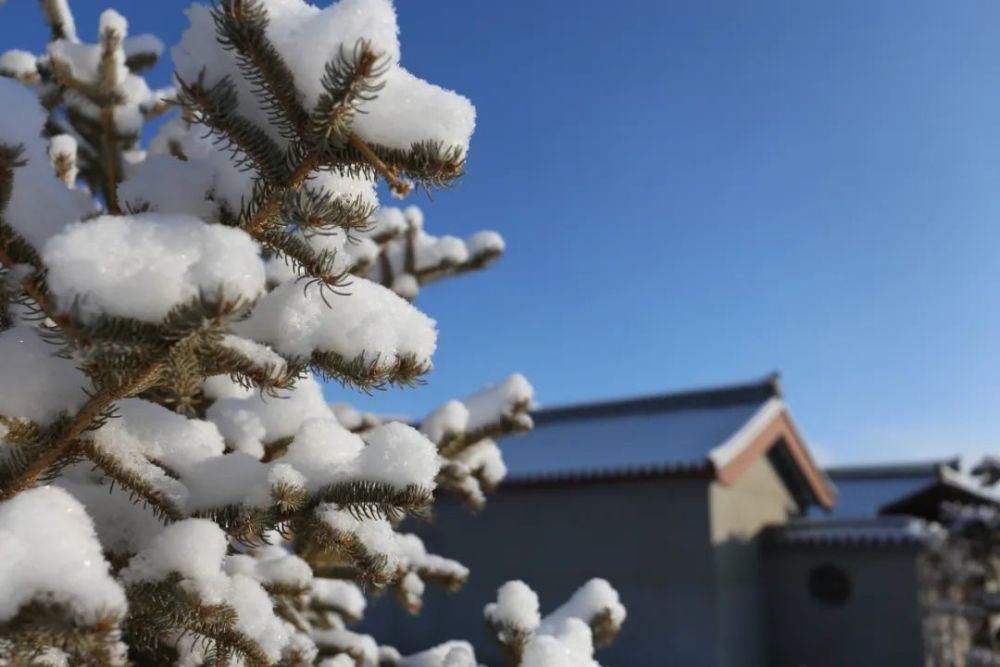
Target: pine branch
[
  {"x": 444, "y": 268},
  {"x": 366, "y": 373},
  {"x": 111, "y": 160},
  {"x": 349, "y": 80},
  {"x": 84, "y": 419},
  {"x": 14, "y": 249},
  {"x": 428, "y": 163},
  {"x": 312, "y": 266},
  {"x": 318, "y": 540},
  {"x": 241, "y": 26},
  {"x": 182, "y": 326},
  {"x": 216, "y": 109},
  {"x": 376, "y": 500},
  {"x": 158, "y": 610},
  {"x": 511, "y": 422},
  {"x": 161, "y": 505},
  {"x": 41, "y": 624},
  {"x": 400, "y": 187},
  {"x": 216, "y": 360},
  {"x": 324, "y": 211},
  {"x": 60, "y": 24}
]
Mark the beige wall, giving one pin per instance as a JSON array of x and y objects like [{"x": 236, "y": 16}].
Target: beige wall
[{"x": 737, "y": 513}]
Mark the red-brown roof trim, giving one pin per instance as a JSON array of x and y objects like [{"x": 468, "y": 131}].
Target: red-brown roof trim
[{"x": 780, "y": 429}]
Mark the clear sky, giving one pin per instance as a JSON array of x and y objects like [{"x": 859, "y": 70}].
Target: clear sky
[{"x": 702, "y": 192}]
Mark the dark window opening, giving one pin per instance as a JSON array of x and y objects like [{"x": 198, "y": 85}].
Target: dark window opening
[{"x": 829, "y": 585}]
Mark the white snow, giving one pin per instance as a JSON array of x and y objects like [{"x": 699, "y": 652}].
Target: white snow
[
  {"x": 375, "y": 535},
  {"x": 234, "y": 479},
  {"x": 548, "y": 651},
  {"x": 406, "y": 111},
  {"x": 738, "y": 441},
  {"x": 193, "y": 548},
  {"x": 169, "y": 185},
  {"x": 410, "y": 109},
  {"x": 449, "y": 654},
  {"x": 34, "y": 383},
  {"x": 339, "y": 660},
  {"x": 516, "y": 608},
  {"x": 49, "y": 551},
  {"x": 261, "y": 356},
  {"x": 63, "y": 147},
  {"x": 490, "y": 404},
  {"x": 142, "y": 266},
  {"x": 62, "y": 15},
  {"x": 22, "y": 65},
  {"x": 572, "y": 632},
  {"x": 406, "y": 286},
  {"x": 140, "y": 44},
  {"x": 415, "y": 557},
  {"x": 270, "y": 565},
  {"x": 485, "y": 242},
  {"x": 249, "y": 421},
  {"x": 322, "y": 450},
  {"x": 223, "y": 386},
  {"x": 399, "y": 455},
  {"x": 340, "y": 594},
  {"x": 363, "y": 647},
  {"x": 591, "y": 599},
  {"x": 402, "y": 234},
  {"x": 21, "y": 124},
  {"x": 165, "y": 436},
  {"x": 123, "y": 526},
  {"x": 255, "y": 616},
  {"x": 388, "y": 221},
  {"x": 484, "y": 459},
  {"x": 448, "y": 420},
  {"x": 83, "y": 61},
  {"x": 115, "y": 441},
  {"x": 112, "y": 20},
  {"x": 282, "y": 269},
  {"x": 367, "y": 319},
  {"x": 353, "y": 419}
]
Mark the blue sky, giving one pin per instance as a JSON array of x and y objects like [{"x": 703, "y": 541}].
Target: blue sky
[{"x": 702, "y": 192}]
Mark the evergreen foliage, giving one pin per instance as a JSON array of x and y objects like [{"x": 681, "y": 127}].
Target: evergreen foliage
[
  {"x": 173, "y": 487},
  {"x": 961, "y": 582}
]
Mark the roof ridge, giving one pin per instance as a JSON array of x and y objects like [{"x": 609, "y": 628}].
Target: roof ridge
[
  {"x": 905, "y": 469},
  {"x": 756, "y": 391}
]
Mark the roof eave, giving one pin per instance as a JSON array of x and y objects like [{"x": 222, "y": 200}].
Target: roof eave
[{"x": 770, "y": 426}]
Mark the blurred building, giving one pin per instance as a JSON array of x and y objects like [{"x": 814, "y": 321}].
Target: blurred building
[{"x": 705, "y": 509}]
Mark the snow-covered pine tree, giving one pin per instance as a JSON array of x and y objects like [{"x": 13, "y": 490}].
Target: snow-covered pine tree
[
  {"x": 961, "y": 574},
  {"x": 173, "y": 487}
]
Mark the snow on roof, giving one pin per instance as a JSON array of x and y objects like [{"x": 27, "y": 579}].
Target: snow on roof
[
  {"x": 962, "y": 481},
  {"x": 689, "y": 430},
  {"x": 951, "y": 485},
  {"x": 880, "y": 531},
  {"x": 862, "y": 490}
]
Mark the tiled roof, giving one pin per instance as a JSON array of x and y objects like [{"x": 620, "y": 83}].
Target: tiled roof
[
  {"x": 706, "y": 432},
  {"x": 880, "y": 531},
  {"x": 863, "y": 490},
  {"x": 668, "y": 432}
]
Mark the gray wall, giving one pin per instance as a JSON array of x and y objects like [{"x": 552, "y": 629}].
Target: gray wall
[
  {"x": 649, "y": 538},
  {"x": 738, "y": 513},
  {"x": 879, "y": 625}
]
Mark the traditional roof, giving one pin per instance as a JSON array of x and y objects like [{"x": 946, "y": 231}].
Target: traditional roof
[
  {"x": 863, "y": 490},
  {"x": 716, "y": 432},
  {"x": 887, "y": 531},
  {"x": 951, "y": 486}
]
